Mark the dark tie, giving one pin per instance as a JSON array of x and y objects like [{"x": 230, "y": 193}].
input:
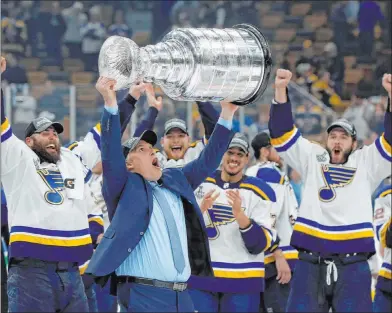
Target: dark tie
[{"x": 178, "y": 256}]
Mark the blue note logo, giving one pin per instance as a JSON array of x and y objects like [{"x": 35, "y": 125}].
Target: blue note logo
[
  {"x": 334, "y": 177},
  {"x": 220, "y": 214},
  {"x": 55, "y": 183}
]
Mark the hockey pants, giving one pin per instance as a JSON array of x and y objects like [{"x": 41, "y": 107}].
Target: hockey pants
[{"x": 342, "y": 282}]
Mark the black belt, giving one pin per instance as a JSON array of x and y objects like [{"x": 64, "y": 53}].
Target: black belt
[
  {"x": 343, "y": 258},
  {"x": 152, "y": 282},
  {"x": 57, "y": 266}
]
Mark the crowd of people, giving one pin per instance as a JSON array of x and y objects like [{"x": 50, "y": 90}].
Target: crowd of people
[{"x": 185, "y": 228}]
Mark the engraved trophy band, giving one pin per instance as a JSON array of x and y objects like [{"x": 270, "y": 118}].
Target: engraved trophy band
[{"x": 194, "y": 64}]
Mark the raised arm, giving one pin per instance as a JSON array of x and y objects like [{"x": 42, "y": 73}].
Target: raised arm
[
  {"x": 113, "y": 161},
  {"x": 13, "y": 150},
  {"x": 378, "y": 156},
  {"x": 198, "y": 170},
  {"x": 285, "y": 137},
  {"x": 90, "y": 148},
  {"x": 155, "y": 106},
  {"x": 209, "y": 117}
]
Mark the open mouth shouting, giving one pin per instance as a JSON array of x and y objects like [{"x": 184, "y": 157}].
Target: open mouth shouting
[
  {"x": 176, "y": 149},
  {"x": 51, "y": 148},
  {"x": 155, "y": 162}
]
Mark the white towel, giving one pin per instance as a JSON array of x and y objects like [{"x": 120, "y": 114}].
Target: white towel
[{"x": 71, "y": 167}]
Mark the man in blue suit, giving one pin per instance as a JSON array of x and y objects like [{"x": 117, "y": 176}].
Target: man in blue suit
[{"x": 156, "y": 238}]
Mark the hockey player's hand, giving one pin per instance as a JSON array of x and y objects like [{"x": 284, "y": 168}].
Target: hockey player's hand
[
  {"x": 234, "y": 199},
  {"x": 209, "y": 200},
  {"x": 137, "y": 89},
  {"x": 151, "y": 99},
  {"x": 105, "y": 87},
  {"x": 282, "y": 80},
  {"x": 228, "y": 110},
  {"x": 282, "y": 267},
  {"x": 387, "y": 83},
  {"x": 3, "y": 65}
]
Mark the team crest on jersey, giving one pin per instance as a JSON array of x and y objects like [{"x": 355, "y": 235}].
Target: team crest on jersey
[
  {"x": 226, "y": 185},
  {"x": 220, "y": 214},
  {"x": 334, "y": 177},
  {"x": 55, "y": 183}
]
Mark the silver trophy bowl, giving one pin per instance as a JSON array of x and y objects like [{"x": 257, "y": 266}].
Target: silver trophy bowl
[{"x": 194, "y": 64}]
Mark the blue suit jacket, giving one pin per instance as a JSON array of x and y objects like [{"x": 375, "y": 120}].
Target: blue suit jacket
[{"x": 129, "y": 200}]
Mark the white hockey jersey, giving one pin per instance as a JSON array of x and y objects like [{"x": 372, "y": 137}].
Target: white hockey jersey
[
  {"x": 47, "y": 211},
  {"x": 335, "y": 215},
  {"x": 237, "y": 256},
  {"x": 382, "y": 220},
  {"x": 284, "y": 211},
  {"x": 191, "y": 154}
]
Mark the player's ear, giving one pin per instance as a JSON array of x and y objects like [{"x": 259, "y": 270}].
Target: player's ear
[
  {"x": 29, "y": 141},
  {"x": 355, "y": 145}
]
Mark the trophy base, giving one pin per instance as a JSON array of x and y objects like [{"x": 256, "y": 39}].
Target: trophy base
[{"x": 267, "y": 63}]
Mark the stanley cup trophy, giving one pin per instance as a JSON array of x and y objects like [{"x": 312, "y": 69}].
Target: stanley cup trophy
[{"x": 194, "y": 64}]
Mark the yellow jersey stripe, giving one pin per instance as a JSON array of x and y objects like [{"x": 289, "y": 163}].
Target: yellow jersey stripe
[
  {"x": 385, "y": 193},
  {"x": 366, "y": 233},
  {"x": 98, "y": 127},
  {"x": 239, "y": 274},
  {"x": 211, "y": 180},
  {"x": 383, "y": 233},
  {"x": 268, "y": 239},
  {"x": 385, "y": 144},
  {"x": 386, "y": 274},
  {"x": 284, "y": 139},
  {"x": 51, "y": 241},
  {"x": 256, "y": 189},
  {"x": 5, "y": 125},
  {"x": 98, "y": 220}
]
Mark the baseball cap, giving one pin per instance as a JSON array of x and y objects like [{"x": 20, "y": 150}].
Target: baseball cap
[
  {"x": 261, "y": 140},
  {"x": 175, "y": 123},
  {"x": 239, "y": 141},
  {"x": 148, "y": 136},
  {"x": 346, "y": 125},
  {"x": 40, "y": 124}
]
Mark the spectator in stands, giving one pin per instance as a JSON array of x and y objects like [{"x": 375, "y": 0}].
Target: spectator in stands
[
  {"x": 309, "y": 118},
  {"x": 384, "y": 64},
  {"x": 366, "y": 84},
  {"x": 29, "y": 14},
  {"x": 53, "y": 28},
  {"x": 13, "y": 28},
  {"x": 360, "y": 113},
  {"x": 309, "y": 57},
  {"x": 16, "y": 73},
  {"x": 351, "y": 11},
  {"x": 262, "y": 123},
  {"x": 191, "y": 8},
  {"x": 306, "y": 76},
  {"x": 323, "y": 89},
  {"x": 334, "y": 64},
  {"x": 339, "y": 23},
  {"x": 377, "y": 122},
  {"x": 52, "y": 101},
  {"x": 368, "y": 16},
  {"x": 93, "y": 34},
  {"x": 119, "y": 27},
  {"x": 75, "y": 18}
]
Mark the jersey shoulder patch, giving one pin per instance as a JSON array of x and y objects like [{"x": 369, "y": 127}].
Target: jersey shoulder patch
[
  {"x": 270, "y": 175},
  {"x": 259, "y": 187}
]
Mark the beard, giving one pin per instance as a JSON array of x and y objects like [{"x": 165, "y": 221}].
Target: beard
[
  {"x": 44, "y": 155},
  {"x": 346, "y": 154}
]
